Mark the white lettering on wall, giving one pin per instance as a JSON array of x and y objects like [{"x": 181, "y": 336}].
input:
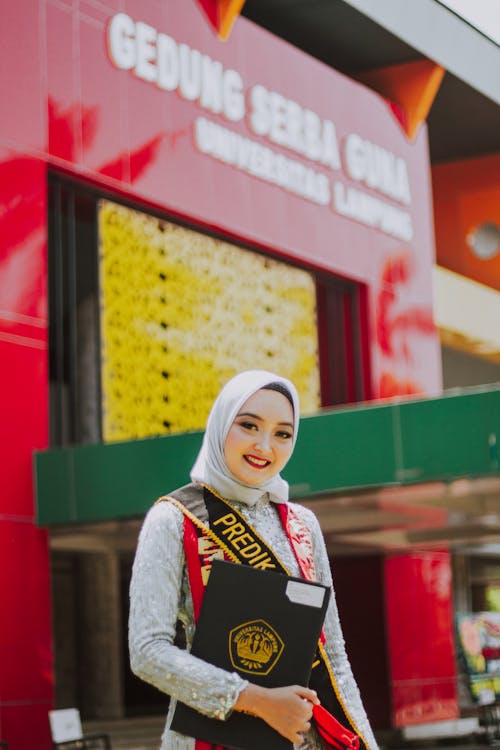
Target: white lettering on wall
[
  {"x": 377, "y": 168},
  {"x": 286, "y": 123},
  {"x": 145, "y": 52},
  {"x": 167, "y": 62},
  {"x": 121, "y": 41},
  {"x": 189, "y": 73},
  {"x": 234, "y": 100},
  {"x": 160, "y": 60},
  {"x": 211, "y": 94},
  {"x": 372, "y": 211},
  {"x": 157, "y": 58},
  {"x": 261, "y": 161}
]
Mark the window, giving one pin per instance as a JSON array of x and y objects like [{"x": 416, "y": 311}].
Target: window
[
  {"x": 148, "y": 319},
  {"x": 343, "y": 341},
  {"x": 73, "y": 316},
  {"x": 182, "y": 311}
]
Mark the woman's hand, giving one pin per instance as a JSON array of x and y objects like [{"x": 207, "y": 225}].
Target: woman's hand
[{"x": 288, "y": 709}]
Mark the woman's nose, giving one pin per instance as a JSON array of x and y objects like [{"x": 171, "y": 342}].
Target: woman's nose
[{"x": 263, "y": 442}]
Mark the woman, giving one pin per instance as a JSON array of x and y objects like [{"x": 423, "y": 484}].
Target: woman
[{"x": 250, "y": 435}]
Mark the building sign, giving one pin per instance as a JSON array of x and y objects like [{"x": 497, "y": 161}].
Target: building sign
[
  {"x": 262, "y": 144},
  {"x": 335, "y": 174}
]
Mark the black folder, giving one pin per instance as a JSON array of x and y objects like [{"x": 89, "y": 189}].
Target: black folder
[{"x": 263, "y": 625}]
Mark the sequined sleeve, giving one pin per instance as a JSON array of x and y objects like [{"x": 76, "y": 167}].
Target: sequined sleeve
[
  {"x": 335, "y": 644},
  {"x": 157, "y": 597}
]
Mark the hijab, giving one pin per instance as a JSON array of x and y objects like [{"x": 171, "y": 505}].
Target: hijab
[{"x": 210, "y": 466}]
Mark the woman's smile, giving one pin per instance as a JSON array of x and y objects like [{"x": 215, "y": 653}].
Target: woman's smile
[
  {"x": 258, "y": 463},
  {"x": 260, "y": 440}
]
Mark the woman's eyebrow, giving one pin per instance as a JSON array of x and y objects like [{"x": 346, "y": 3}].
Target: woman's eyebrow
[{"x": 261, "y": 419}]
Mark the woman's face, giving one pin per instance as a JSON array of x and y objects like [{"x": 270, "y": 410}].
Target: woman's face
[{"x": 260, "y": 440}]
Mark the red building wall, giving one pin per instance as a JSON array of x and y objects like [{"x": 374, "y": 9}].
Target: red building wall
[
  {"x": 420, "y": 628},
  {"x": 68, "y": 106},
  {"x": 26, "y": 678}
]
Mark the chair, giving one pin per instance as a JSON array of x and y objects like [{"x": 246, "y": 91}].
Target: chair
[{"x": 67, "y": 733}]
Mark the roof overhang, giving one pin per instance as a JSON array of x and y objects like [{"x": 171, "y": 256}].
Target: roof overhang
[
  {"x": 438, "y": 33},
  {"x": 458, "y": 514},
  {"x": 463, "y": 514},
  {"x": 355, "y": 36}
]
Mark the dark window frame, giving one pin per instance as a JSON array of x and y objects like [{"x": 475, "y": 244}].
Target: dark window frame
[
  {"x": 73, "y": 313},
  {"x": 341, "y": 307},
  {"x": 343, "y": 341}
]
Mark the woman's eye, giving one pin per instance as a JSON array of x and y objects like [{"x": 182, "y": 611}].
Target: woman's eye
[
  {"x": 248, "y": 425},
  {"x": 284, "y": 435}
]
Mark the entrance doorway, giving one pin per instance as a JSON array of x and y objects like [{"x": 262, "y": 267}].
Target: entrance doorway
[{"x": 91, "y": 570}]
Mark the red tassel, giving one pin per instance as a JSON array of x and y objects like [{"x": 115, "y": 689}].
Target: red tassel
[{"x": 333, "y": 732}]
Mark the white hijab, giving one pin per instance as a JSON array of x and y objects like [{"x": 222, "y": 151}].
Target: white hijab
[{"x": 210, "y": 466}]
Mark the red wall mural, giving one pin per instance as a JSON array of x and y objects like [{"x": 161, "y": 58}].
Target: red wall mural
[{"x": 398, "y": 326}]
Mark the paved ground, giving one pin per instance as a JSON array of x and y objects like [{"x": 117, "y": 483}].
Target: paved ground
[
  {"x": 130, "y": 734},
  {"x": 144, "y": 734}
]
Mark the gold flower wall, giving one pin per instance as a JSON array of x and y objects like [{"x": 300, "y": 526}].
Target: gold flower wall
[{"x": 182, "y": 312}]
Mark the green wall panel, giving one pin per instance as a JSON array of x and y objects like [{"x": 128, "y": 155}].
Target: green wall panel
[
  {"x": 345, "y": 448},
  {"x": 98, "y": 482},
  {"x": 55, "y": 486},
  {"x": 449, "y": 437}
]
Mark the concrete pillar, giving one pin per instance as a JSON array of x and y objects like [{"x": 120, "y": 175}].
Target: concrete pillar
[{"x": 101, "y": 636}]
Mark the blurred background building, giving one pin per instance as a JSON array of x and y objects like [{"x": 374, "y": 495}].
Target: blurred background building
[{"x": 308, "y": 187}]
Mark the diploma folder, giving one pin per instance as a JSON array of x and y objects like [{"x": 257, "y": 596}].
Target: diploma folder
[{"x": 263, "y": 625}]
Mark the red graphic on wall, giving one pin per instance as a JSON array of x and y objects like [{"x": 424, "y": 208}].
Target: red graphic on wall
[
  {"x": 64, "y": 123},
  {"x": 396, "y": 325},
  {"x": 20, "y": 206}
]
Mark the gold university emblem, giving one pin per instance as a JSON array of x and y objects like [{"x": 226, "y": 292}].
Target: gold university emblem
[{"x": 255, "y": 647}]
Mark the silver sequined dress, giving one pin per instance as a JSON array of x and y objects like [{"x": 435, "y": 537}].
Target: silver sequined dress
[{"x": 160, "y": 595}]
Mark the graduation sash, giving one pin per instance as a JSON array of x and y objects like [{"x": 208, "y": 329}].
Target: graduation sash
[{"x": 229, "y": 536}]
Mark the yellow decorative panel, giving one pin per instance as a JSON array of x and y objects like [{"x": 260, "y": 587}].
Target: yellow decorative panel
[{"x": 182, "y": 312}]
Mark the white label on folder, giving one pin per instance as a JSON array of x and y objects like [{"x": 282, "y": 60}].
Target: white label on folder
[{"x": 304, "y": 593}]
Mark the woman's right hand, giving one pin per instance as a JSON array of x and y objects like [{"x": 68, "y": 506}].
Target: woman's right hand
[{"x": 288, "y": 709}]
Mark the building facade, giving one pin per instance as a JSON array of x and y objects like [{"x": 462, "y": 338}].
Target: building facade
[{"x": 175, "y": 208}]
